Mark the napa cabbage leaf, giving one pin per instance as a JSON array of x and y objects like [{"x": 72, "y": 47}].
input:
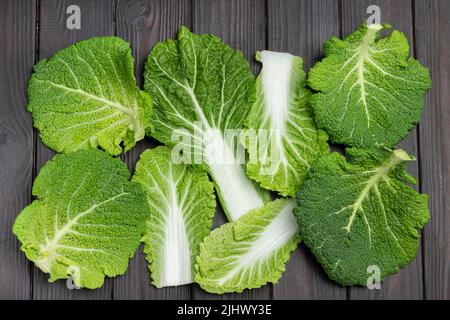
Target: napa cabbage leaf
[
  {"x": 369, "y": 90},
  {"x": 182, "y": 204},
  {"x": 358, "y": 216},
  {"x": 250, "y": 251},
  {"x": 86, "y": 221},
  {"x": 202, "y": 91},
  {"x": 282, "y": 139},
  {"x": 86, "y": 96}
]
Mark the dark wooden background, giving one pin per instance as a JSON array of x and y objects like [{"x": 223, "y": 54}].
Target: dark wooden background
[{"x": 34, "y": 29}]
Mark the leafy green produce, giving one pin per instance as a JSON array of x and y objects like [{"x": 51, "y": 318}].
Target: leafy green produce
[
  {"x": 87, "y": 219},
  {"x": 370, "y": 91},
  {"x": 360, "y": 213},
  {"x": 182, "y": 204},
  {"x": 86, "y": 96},
  {"x": 250, "y": 251},
  {"x": 354, "y": 214},
  {"x": 287, "y": 140},
  {"x": 201, "y": 89}
]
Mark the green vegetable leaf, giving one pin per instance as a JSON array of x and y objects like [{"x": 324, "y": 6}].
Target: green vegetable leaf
[
  {"x": 202, "y": 89},
  {"x": 370, "y": 91},
  {"x": 358, "y": 214},
  {"x": 182, "y": 204},
  {"x": 249, "y": 252},
  {"x": 86, "y": 96},
  {"x": 285, "y": 134},
  {"x": 87, "y": 220}
]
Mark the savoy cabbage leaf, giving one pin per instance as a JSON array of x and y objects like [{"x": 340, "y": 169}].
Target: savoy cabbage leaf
[
  {"x": 250, "y": 251},
  {"x": 358, "y": 214},
  {"x": 86, "y": 96},
  {"x": 202, "y": 89},
  {"x": 286, "y": 138},
  {"x": 182, "y": 204},
  {"x": 369, "y": 90},
  {"x": 87, "y": 220}
]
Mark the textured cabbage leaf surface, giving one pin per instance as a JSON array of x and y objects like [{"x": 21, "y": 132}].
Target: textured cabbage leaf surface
[
  {"x": 86, "y": 96},
  {"x": 249, "y": 252},
  {"x": 182, "y": 205},
  {"x": 369, "y": 90},
  {"x": 282, "y": 125},
  {"x": 202, "y": 89},
  {"x": 358, "y": 217},
  {"x": 87, "y": 220}
]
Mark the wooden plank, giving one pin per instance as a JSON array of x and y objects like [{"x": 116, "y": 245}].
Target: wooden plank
[
  {"x": 407, "y": 283},
  {"x": 300, "y": 28},
  {"x": 143, "y": 24},
  {"x": 97, "y": 19},
  {"x": 17, "y": 22},
  {"x": 241, "y": 24},
  {"x": 432, "y": 29}
]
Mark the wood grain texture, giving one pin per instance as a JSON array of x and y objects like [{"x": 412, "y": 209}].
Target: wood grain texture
[
  {"x": 17, "y": 22},
  {"x": 97, "y": 19},
  {"x": 298, "y": 27},
  {"x": 143, "y": 24},
  {"x": 241, "y": 24},
  {"x": 432, "y": 29},
  {"x": 406, "y": 284},
  {"x": 37, "y": 29}
]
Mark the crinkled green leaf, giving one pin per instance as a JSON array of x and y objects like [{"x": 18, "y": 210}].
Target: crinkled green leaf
[
  {"x": 358, "y": 216},
  {"x": 285, "y": 135},
  {"x": 86, "y": 96},
  {"x": 201, "y": 88},
  {"x": 182, "y": 204},
  {"x": 370, "y": 91},
  {"x": 249, "y": 252},
  {"x": 87, "y": 219}
]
